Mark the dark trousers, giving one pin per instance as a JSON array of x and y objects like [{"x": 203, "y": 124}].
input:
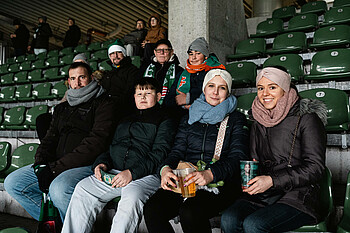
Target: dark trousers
[
  {"x": 148, "y": 51},
  {"x": 19, "y": 52}
]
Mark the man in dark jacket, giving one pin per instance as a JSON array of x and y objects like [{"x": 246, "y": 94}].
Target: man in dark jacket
[
  {"x": 20, "y": 38},
  {"x": 80, "y": 130},
  {"x": 72, "y": 35},
  {"x": 134, "y": 39},
  {"x": 42, "y": 33}
]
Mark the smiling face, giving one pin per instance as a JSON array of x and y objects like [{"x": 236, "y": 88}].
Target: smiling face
[
  {"x": 163, "y": 53},
  {"x": 216, "y": 91},
  {"x": 269, "y": 93},
  {"x": 196, "y": 58},
  {"x": 78, "y": 78},
  {"x": 116, "y": 57},
  {"x": 146, "y": 98}
]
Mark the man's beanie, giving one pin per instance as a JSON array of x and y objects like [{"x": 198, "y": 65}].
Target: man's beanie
[
  {"x": 16, "y": 22},
  {"x": 117, "y": 46},
  {"x": 200, "y": 45}
]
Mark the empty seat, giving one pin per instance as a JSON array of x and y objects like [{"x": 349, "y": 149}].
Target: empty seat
[
  {"x": 7, "y": 79},
  {"x": 135, "y": 60},
  {"x": 32, "y": 114},
  {"x": 284, "y": 13},
  {"x": 7, "y": 94},
  {"x": 255, "y": 47},
  {"x": 21, "y": 77},
  {"x": 99, "y": 55},
  {"x": 52, "y": 74},
  {"x": 2, "y": 110},
  {"x": 80, "y": 48},
  {"x": 5, "y": 156},
  {"x": 13, "y": 68},
  {"x": 10, "y": 60},
  {"x": 305, "y": 23},
  {"x": 344, "y": 225},
  {"x": 24, "y": 92},
  {"x": 337, "y": 102},
  {"x": 339, "y": 15},
  {"x": 14, "y": 118},
  {"x": 269, "y": 28},
  {"x": 52, "y": 62},
  {"x": 66, "y": 51},
  {"x": 25, "y": 66},
  {"x": 21, "y": 58},
  {"x": 105, "y": 44},
  {"x": 94, "y": 46},
  {"x": 53, "y": 53},
  {"x": 31, "y": 57},
  {"x": 331, "y": 36},
  {"x": 317, "y": 7},
  {"x": 341, "y": 3},
  {"x": 104, "y": 66},
  {"x": 330, "y": 64},
  {"x": 42, "y": 91},
  {"x": 3, "y": 68},
  {"x": 291, "y": 42},
  {"x": 39, "y": 64},
  {"x": 35, "y": 76},
  {"x": 67, "y": 60},
  {"x": 293, "y": 63},
  {"x": 59, "y": 89},
  {"x": 244, "y": 103},
  {"x": 64, "y": 71},
  {"x": 94, "y": 65},
  {"x": 243, "y": 73},
  {"x": 41, "y": 56}
]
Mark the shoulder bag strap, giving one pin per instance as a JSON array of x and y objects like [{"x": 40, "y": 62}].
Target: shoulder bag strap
[{"x": 220, "y": 138}]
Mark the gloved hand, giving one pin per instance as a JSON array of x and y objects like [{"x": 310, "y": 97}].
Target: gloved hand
[{"x": 44, "y": 175}]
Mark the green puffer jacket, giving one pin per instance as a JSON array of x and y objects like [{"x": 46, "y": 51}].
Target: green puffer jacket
[{"x": 141, "y": 142}]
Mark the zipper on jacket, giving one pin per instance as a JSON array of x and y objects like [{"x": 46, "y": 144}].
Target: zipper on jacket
[{"x": 203, "y": 142}]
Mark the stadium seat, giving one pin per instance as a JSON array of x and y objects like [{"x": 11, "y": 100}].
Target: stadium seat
[
  {"x": 243, "y": 73},
  {"x": 80, "y": 48},
  {"x": 105, "y": 44},
  {"x": 249, "y": 48},
  {"x": 338, "y": 108},
  {"x": 39, "y": 64},
  {"x": 104, "y": 66},
  {"x": 21, "y": 77},
  {"x": 66, "y": 51},
  {"x": 24, "y": 92},
  {"x": 14, "y": 230},
  {"x": 244, "y": 104},
  {"x": 331, "y": 36},
  {"x": 291, "y": 42},
  {"x": 32, "y": 114},
  {"x": 35, "y": 76},
  {"x": 64, "y": 71},
  {"x": 305, "y": 23},
  {"x": 330, "y": 64},
  {"x": 325, "y": 203},
  {"x": 10, "y": 60},
  {"x": 269, "y": 28},
  {"x": 341, "y": 3},
  {"x": 20, "y": 59},
  {"x": 3, "y": 68},
  {"x": 334, "y": 16},
  {"x": 317, "y": 7},
  {"x": 94, "y": 65},
  {"x": 67, "y": 60},
  {"x": 284, "y": 13},
  {"x": 292, "y": 62},
  {"x": 99, "y": 55},
  {"x": 7, "y": 79},
  {"x": 135, "y": 60},
  {"x": 59, "y": 89},
  {"x": 52, "y": 62},
  {"x": 344, "y": 225},
  {"x": 14, "y": 118},
  {"x": 53, "y": 53},
  {"x": 41, "y": 56},
  {"x": 25, "y": 66},
  {"x": 31, "y": 57},
  {"x": 52, "y": 74},
  {"x": 13, "y": 68},
  {"x": 94, "y": 46},
  {"x": 7, "y": 94},
  {"x": 42, "y": 91},
  {"x": 5, "y": 156},
  {"x": 2, "y": 110}
]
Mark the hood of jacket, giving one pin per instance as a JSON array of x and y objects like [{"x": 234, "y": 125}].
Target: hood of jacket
[
  {"x": 159, "y": 20},
  {"x": 314, "y": 106}
]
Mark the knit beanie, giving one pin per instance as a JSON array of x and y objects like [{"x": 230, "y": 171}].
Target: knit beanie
[
  {"x": 82, "y": 57},
  {"x": 117, "y": 46},
  {"x": 16, "y": 22},
  {"x": 281, "y": 78},
  {"x": 218, "y": 72},
  {"x": 200, "y": 45}
]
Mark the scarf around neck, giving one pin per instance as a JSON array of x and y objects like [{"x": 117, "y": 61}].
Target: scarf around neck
[
  {"x": 84, "y": 94},
  {"x": 205, "y": 113},
  {"x": 270, "y": 118}
]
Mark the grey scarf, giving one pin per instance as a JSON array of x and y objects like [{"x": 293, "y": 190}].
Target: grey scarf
[{"x": 84, "y": 94}]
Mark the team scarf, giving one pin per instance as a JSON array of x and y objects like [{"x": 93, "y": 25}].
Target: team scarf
[
  {"x": 168, "y": 80},
  {"x": 184, "y": 82}
]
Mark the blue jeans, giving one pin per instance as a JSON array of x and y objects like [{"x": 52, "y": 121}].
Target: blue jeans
[
  {"x": 37, "y": 51},
  {"x": 22, "y": 185},
  {"x": 244, "y": 216}
]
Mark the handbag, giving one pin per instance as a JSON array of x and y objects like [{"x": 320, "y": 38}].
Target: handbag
[{"x": 49, "y": 219}]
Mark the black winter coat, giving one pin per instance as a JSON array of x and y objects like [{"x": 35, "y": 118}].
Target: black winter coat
[
  {"x": 41, "y": 36},
  {"x": 271, "y": 147},
  {"x": 77, "y": 134},
  {"x": 22, "y": 38},
  {"x": 72, "y": 36},
  {"x": 135, "y": 37}
]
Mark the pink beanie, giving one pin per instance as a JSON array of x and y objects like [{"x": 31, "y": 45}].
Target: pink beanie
[{"x": 281, "y": 78}]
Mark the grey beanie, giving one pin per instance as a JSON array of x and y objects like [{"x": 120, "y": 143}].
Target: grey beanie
[
  {"x": 200, "y": 45},
  {"x": 82, "y": 57}
]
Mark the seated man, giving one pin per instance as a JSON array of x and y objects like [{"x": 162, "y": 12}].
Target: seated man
[
  {"x": 141, "y": 142},
  {"x": 81, "y": 129},
  {"x": 134, "y": 39}
]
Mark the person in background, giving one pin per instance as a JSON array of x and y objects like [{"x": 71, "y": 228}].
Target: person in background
[
  {"x": 72, "y": 35},
  {"x": 41, "y": 36},
  {"x": 134, "y": 39},
  {"x": 20, "y": 38}
]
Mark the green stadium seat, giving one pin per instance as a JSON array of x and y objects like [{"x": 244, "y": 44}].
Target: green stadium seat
[
  {"x": 341, "y": 3},
  {"x": 7, "y": 79},
  {"x": 325, "y": 203},
  {"x": 244, "y": 104},
  {"x": 284, "y": 13},
  {"x": 94, "y": 46},
  {"x": 305, "y": 23},
  {"x": 53, "y": 53},
  {"x": 5, "y": 156},
  {"x": 269, "y": 28},
  {"x": 32, "y": 114},
  {"x": 330, "y": 64},
  {"x": 249, "y": 48},
  {"x": 67, "y": 51},
  {"x": 99, "y": 55},
  {"x": 135, "y": 60},
  {"x": 2, "y": 110},
  {"x": 338, "y": 108},
  {"x": 3, "y": 68},
  {"x": 82, "y": 48},
  {"x": 35, "y": 76},
  {"x": 41, "y": 56},
  {"x": 31, "y": 57},
  {"x": 7, "y": 94},
  {"x": 21, "y": 77},
  {"x": 344, "y": 225},
  {"x": 14, "y": 230},
  {"x": 20, "y": 59},
  {"x": 52, "y": 62},
  {"x": 25, "y": 66},
  {"x": 64, "y": 71},
  {"x": 67, "y": 60},
  {"x": 10, "y": 60},
  {"x": 24, "y": 92},
  {"x": 14, "y": 118},
  {"x": 293, "y": 63},
  {"x": 39, "y": 64},
  {"x": 94, "y": 65},
  {"x": 334, "y": 16},
  {"x": 42, "y": 91},
  {"x": 331, "y": 36},
  {"x": 59, "y": 89},
  {"x": 291, "y": 42},
  {"x": 317, "y": 7},
  {"x": 52, "y": 74},
  {"x": 105, "y": 44},
  {"x": 243, "y": 73},
  {"x": 13, "y": 68},
  {"x": 104, "y": 66}
]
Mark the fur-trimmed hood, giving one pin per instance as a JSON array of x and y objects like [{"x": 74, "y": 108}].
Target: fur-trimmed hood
[{"x": 314, "y": 106}]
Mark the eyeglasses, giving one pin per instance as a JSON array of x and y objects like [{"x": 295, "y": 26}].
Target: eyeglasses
[{"x": 163, "y": 50}]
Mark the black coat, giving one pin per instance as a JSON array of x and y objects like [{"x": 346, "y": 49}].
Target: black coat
[
  {"x": 135, "y": 37},
  {"x": 22, "y": 38},
  {"x": 41, "y": 36},
  {"x": 271, "y": 147},
  {"x": 72, "y": 36}
]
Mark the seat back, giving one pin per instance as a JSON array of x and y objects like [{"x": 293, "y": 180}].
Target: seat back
[
  {"x": 42, "y": 90},
  {"x": 341, "y": 3},
  {"x": 7, "y": 79},
  {"x": 2, "y": 110},
  {"x": 10, "y": 60},
  {"x": 14, "y": 116},
  {"x": 52, "y": 73},
  {"x": 39, "y": 64},
  {"x": 135, "y": 60},
  {"x": 244, "y": 103},
  {"x": 333, "y": 35},
  {"x": 25, "y": 66},
  {"x": 94, "y": 46},
  {"x": 13, "y": 68},
  {"x": 66, "y": 51},
  {"x": 339, "y": 15},
  {"x": 290, "y": 42},
  {"x": 94, "y": 65},
  {"x": 80, "y": 48},
  {"x": 251, "y": 46},
  {"x": 31, "y": 57},
  {"x": 243, "y": 73},
  {"x": 105, "y": 44},
  {"x": 35, "y": 75},
  {"x": 99, "y": 55},
  {"x": 59, "y": 89},
  {"x": 41, "y": 56},
  {"x": 33, "y": 113},
  {"x": 284, "y": 13},
  {"x": 3, "y": 68},
  {"x": 338, "y": 108},
  {"x": 21, "y": 77},
  {"x": 67, "y": 60},
  {"x": 53, "y": 62},
  {"x": 104, "y": 66},
  {"x": 5, "y": 155},
  {"x": 21, "y": 58},
  {"x": 24, "y": 92},
  {"x": 7, "y": 94},
  {"x": 23, "y": 155},
  {"x": 64, "y": 71},
  {"x": 303, "y": 22},
  {"x": 53, "y": 53},
  {"x": 317, "y": 7},
  {"x": 269, "y": 27}
]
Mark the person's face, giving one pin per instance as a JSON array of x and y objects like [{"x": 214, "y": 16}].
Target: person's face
[
  {"x": 116, "y": 57},
  {"x": 163, "y": 53},
  {"x": 139, "y": 25},
  {"x": 40, "y": 20},
  {"x": 247, "y": 168},
  {"x": 154, "y": 22},
  {"x": 216, "y": 91},
  {"x": 78, "y": 78},
  {"x": 16, "y": 26},
  {"x": 196, "y": 58},
  {"x": 146, "y": 98},
  {"x": 269, "y": 93},
  {"x": 70, "y": 22}
]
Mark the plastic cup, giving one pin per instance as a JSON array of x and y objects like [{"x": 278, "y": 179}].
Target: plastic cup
[
  {"x": 249, "y": 170},
  {"x": 190, "y": 190}
]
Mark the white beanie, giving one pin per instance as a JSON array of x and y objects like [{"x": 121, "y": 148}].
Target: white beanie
[
  {"x": 218, "y": 72},
  {"x": 116, "y": 48}
]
